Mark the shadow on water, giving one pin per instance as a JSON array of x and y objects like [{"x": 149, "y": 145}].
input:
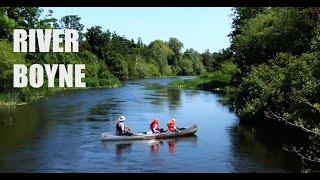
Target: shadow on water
[
  {"x": 259, "y": 144},
  {"x": 102, "y": 112},
  {"x": 19, "y": 125}
]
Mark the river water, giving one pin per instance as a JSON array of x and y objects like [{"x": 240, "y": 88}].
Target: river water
[{"x": 62, "y": 134}]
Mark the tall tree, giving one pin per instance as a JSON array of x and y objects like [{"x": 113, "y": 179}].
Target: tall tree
[
  {"x": 72, "y": 22},
  {"x": 176, "y": 46},
  {"x": 98, "y": 41}
]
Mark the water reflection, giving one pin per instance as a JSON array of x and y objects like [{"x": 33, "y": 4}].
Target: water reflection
[
  {"x": 99, "y": 112},
  {"x": 174, "y": 98},
  {"x": 123, "y": 148},
  {"x": 172, "y": 146},
  {"x": 19, "y": 125},
  {"x": 250, "y": 145},
  {"x": 156, "y": 146},
  {"x": 160, "y": 94}
]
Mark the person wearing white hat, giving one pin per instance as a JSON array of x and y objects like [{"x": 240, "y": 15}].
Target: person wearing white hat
[{"x": 121, "y": 128}]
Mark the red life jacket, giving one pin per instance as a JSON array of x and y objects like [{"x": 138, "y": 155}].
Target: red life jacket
[
  {"x": 171, "y": 126},
  {"x": 153, "y": 124}
]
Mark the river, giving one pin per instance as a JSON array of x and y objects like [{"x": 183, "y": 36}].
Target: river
[{"x": 62, "y": 134}]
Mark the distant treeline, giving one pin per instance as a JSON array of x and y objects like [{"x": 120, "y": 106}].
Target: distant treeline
[{"x": 109, "y": 57}]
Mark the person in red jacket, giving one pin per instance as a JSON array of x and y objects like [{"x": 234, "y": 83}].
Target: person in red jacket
[
  {"x": 172, "y": 126},
  {"x": 155, "y": 126}
]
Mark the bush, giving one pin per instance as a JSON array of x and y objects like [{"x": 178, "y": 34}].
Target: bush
[
  {"x": 7, "y": 59},
  {"x": 221, "y": 79},
  {"x": 280, "y": 86},
  {"x": 92, "y": 82}
]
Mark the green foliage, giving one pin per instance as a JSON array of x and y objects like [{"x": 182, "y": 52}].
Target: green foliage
[
  {"x": 287, "y": 30},
  {"x": 6, "y": 24},
  {"x": 196, "y": 61},
  {"x": 71, "y": 22},
  {"x": 240, "y": 16},
  {"x": 220, "y": 79},
  {"x": 280, "y": 86},
  {"x": 7, "y": 59},
  {"x": 118, "y": 66}
]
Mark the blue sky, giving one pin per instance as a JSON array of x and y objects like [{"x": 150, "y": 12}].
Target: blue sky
[{"x": 197, "y": 28}]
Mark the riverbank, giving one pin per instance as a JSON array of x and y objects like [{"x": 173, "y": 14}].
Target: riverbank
[
  {"x": 220, "y": 80},
  {"x": 26, "y": 95}
]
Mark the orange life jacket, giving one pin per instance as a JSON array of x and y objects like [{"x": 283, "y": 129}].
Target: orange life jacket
[
  {"x": 153, "y": 124},
  {"x": 171, "y": 126}
]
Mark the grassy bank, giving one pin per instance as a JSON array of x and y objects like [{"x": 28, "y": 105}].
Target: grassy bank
[
  {"x": 221, "y": 80},
  {"x": 27, "y": 95}
]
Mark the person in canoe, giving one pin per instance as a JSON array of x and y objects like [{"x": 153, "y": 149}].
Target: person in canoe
[
  {"x": 155, "y": 126},
  {"x": 172, "y": 126},
  {"x": 121, "y": 128}
]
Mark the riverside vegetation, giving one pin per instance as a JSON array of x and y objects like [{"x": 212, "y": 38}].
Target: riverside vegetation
[
  {"x": 109, "y": 57},
  {"x": 271, "y": 71}
]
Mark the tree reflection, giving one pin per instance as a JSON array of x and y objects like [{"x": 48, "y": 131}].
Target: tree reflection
[
  {"x": 99, "y": 112},
  {"x": 174, "y": 98},
  {"x": 160, "y": 94},
  {"x": 20, "y": 125},
  {"x": 254, "y": 147}
]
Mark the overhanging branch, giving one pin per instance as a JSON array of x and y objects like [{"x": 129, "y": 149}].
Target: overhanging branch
[{"x": 272, "y": 115}]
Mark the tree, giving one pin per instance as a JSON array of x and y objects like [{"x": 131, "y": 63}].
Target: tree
[
  {"x": 48, "y": 21},
  {"x": 98, "y": 41},
  {"x": 160, "y": 51},
  {"x": 195, "y": 58},
  {"x": 118, "y": 66},
  {"x": 6, "y": 24},
  {"x": 176, "y": 46},
  {"x": 208, "y": 61},
  {"x": 287, "y": 30},
  {"x": 240, "y": 16},
  {"x": 72, "y": 22},
  {"x": 26, "y": 17},
  {"x": 140, "y": 43}
]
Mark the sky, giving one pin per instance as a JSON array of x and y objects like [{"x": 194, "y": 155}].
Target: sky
[{"x": 197, "y": 28}]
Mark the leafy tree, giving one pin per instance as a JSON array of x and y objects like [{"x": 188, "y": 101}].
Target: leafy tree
[
  {"x": 160, "y": 51},
  {"x": 6, "y": 24},
  {"x": 118, "y": 66},
  {"x": 97, "y": 41},
  {"x": 208, "y": 61},
  {"x": 240, "y": 16},
  {"x": 72, "y": 22},
  {"x": 287, "y": 30},
  {"x": 176, "y": 46},
  {"x": 8, "y": 59},
  {"x": 196, "y": 60}
]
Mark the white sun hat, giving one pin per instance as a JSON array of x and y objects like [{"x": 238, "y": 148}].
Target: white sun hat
[{"x": 122, "y": 118}]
